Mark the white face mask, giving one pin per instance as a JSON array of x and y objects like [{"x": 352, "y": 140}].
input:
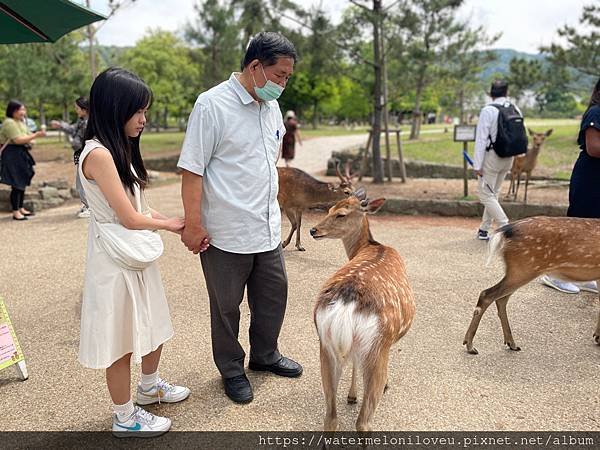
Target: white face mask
[{"x": 270, "y": 91}]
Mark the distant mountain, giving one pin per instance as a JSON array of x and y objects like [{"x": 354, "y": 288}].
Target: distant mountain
[
  {"x": 502, "y": 62},
  {"x": 581, "y": 83}
]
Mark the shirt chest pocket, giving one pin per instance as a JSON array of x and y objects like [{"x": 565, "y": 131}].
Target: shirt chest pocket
[{"x": 272, "y": 139}]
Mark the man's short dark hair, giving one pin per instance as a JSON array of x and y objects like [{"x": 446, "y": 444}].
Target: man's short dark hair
[
  {"x": 267, "y": 46},
  {"x": 499, "y": 89}
]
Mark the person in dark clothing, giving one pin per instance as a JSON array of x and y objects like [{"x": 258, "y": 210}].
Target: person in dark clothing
[
  {"x": 76, "y": 133},
  {"x": 584, "y": 189},
  {"x": 292, "y": 134},
  {"x": 16, "y": 163}
]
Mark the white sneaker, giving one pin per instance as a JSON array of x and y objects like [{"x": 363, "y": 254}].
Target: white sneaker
[
  {"x": 84, "y": 213},
  {"x": 162, "y": 392},
  {"x": 559, "y": 285},
  {"x": 589, "y": 286},
  {"x": 141, "y": 424}
]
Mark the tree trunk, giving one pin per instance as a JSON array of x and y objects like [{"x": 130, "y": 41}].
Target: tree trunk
[
  {"x": 315, "y": 117},
  {"x": 461, "y": 99},
  {"x": 92, "y": 51},
  {"x": 415, "y": 129},
  {"x": 377, "y": 107}
]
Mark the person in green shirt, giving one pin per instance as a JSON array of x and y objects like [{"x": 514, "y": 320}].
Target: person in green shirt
[{"x": 16, "y": 163}]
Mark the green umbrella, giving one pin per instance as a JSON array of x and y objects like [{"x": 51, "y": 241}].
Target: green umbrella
[{"x": 41, "y": 20}]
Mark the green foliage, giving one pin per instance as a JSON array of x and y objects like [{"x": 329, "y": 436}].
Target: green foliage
[
  {"x": 165, "y": 63},
  {"x": 581, "y": 50}
]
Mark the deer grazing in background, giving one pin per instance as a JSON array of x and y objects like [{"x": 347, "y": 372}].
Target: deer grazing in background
[
  {"x": 298, "y": 191},
  {"x": 364, "y": 308},
  {"x": 563, "y": 247},
  {"x": 525, "y": 164}
]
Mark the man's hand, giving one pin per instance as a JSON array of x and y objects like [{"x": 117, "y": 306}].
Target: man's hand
[
  {"x": 195, "y": 237},
  {"x": 478, "y": 173}
]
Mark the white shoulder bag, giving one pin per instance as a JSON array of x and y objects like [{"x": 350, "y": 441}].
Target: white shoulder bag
[{"x": 130, "y": 249}]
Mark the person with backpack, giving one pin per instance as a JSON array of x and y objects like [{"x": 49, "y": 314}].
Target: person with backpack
[{"x": 499, "y": 137}]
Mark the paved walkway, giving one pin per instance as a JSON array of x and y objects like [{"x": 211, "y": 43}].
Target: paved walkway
[
  {"x": 312, "y": 156},
  {"x": 434, "y": 385}
]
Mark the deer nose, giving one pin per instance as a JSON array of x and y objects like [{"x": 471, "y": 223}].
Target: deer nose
[{"x": 313, "y": 231}]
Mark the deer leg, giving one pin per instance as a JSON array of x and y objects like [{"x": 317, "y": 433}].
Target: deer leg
[
  {"x": 510, "y": 186},
  {"x": 299, "y": 229},
  {"x": 331, "y": 370},
  {"x": 375, "y": 378},
  {"x": 508, "y": 338},
  {"x": 290, "y": 215},
  {"x": 352, "y": 391},
  {"x": 518, "y": 184},
  {"x": 597, "y": 332},
  {"x": 526, "y": 185}
]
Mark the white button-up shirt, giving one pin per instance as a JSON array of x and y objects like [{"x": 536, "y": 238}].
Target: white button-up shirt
[
  {"x": 233, "y": 142},
  {"x": 487, "y": 126}
]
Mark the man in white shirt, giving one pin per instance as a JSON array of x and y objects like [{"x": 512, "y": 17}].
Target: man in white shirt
[
  {"x": 490, "y": 168},
  {"x": 232, "y": 217}
]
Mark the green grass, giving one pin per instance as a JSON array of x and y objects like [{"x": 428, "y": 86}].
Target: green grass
[{"x": 556, "y": 158}]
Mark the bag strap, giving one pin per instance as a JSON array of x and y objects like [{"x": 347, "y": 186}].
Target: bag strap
[{"x": 3, "y": 147}]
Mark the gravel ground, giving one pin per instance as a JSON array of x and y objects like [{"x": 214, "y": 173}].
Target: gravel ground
[{"x": 434, "y": 384}]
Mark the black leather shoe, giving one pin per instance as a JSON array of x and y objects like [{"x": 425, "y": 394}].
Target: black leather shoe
[
  {"x": 20, "y": 218},
  {"x": 238, "y": 389},
  {"x": 285, "y": 367}
]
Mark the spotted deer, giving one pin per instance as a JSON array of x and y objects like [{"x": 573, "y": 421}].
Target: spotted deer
[
  {"x": 298, "y": 191},
  {"x": 525, "y": 164},
  {"x": 364, "y": 308},
  {"x": 564, "y": 247}
]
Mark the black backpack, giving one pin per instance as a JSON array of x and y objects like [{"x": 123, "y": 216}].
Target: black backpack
[{"x": 511, "y": 139}]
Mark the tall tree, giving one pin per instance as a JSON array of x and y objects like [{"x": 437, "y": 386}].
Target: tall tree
[
  {"x": 216, "y": 34},
  {"x": 92, "y": 29},
  {"x": 466, "y": 58},
  {"x": 165, "y": 63},
  {"x": 581, "y": 50},
  {"x": 524, "y": 75},
  {"x": 430, "y": 29}
]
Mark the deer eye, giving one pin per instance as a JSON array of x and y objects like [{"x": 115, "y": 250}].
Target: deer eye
[{"x": 339, "y": 216}]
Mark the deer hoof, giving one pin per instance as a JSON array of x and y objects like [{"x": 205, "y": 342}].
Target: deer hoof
[
  {"x": 284, "y": 244},
  {"x": 513, "y": 347},
  {"x": 351, "y": 400},
  {"x": 386, "y": 387},
  {"x": 301, "y": 249},
  {"x": 597, "y": 339}
]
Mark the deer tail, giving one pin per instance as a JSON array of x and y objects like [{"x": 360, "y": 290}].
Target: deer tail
[{"x": 497, "y": 241}]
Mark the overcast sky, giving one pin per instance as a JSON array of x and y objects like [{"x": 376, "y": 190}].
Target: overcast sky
[{"x": 525, "y": 24}]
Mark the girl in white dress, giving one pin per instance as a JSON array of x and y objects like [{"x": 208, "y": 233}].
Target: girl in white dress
[{"x": 124, "y": 312}]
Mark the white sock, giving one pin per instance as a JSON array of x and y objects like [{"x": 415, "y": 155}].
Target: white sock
[
  {"x": 123, "y": 412},
  {"x": 147, "y": 382}
]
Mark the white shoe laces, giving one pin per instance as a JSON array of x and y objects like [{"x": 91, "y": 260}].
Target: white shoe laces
[{"x": 144, "y": 416}]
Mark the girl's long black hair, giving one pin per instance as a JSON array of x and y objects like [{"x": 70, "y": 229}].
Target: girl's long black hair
[{"x": 116, "y": 95}]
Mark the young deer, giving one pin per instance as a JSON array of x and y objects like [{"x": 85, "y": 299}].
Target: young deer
[
  {"x": 364, "y": 308},
  {"x": 526, "y": 163},
  {"x": 564, "y": 247},
  {"x": 299, "y": 191}
]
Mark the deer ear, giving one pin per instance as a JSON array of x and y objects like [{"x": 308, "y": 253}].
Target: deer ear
[
  {"x": 549, "y": 132},
  {"x": 374, "y": 205},
  {"x": 530, "y": 131},
  {"x": 360, "y": 193}
]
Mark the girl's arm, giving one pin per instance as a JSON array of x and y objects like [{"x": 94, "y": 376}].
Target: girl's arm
[
  {"x": 592, "y": 142},
  {"x": 99, "y": 166},
  {"x": 157, "y": 215},
  {"x": 27, "y": 138}
]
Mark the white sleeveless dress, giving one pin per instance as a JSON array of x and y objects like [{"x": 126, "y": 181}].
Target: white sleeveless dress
[{"x": 123, "y": 311}]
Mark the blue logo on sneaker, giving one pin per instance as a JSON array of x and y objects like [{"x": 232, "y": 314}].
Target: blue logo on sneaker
[{"x": 137, "y": 427}]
